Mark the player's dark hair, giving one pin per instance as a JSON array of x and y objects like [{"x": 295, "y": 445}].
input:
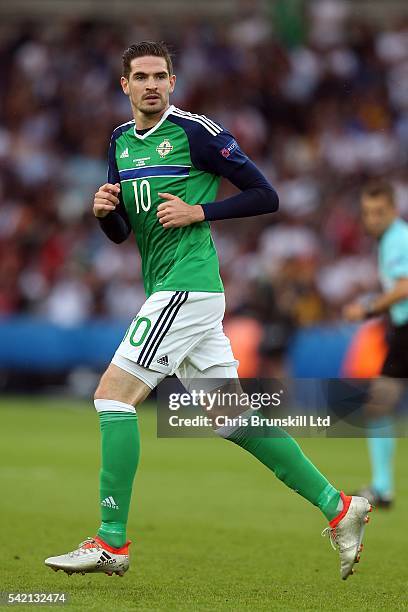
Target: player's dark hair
[
  {"x": 141, "y": 49},
  {"x": 379, "y": 188}
]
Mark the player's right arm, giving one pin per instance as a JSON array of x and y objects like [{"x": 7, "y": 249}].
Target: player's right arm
[
  {"x": 106, "y": 200},
  {"x": 108, "y": 205}
]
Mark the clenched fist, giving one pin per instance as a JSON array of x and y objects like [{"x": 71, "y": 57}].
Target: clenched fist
[{"x": 106, "y": 199}]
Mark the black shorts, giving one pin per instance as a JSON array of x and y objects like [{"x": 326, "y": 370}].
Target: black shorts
[{"x": 396, "y": 361}]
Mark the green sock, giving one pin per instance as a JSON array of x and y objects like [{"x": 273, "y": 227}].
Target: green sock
[
  {"x": 283, "y": 455},
  {"x": 120, "y": 457}
]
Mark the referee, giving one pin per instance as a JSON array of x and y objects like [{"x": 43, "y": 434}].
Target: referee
[{"x": 380, "y": 219}]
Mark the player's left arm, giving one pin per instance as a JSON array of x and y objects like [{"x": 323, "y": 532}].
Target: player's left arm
[{"x": 222, "y": 156}]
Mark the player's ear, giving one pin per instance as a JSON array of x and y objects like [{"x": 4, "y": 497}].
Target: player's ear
[
  {"x": 172, "y": 83},
  {"x": 125, "y": 85}
]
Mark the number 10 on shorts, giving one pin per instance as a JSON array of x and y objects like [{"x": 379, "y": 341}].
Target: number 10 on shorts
[{"x": 138, "y": 330}]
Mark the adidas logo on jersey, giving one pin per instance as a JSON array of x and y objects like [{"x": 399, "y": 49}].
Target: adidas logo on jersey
[
  {"x": 109, "y": 502},
  {"x": 124, "y": 153},
  {"x": 163, "y": 360}
]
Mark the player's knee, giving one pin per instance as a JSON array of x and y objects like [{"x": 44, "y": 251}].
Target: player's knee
[
  {"x": 98, "y": 392},
  {"x": 102, "y": 388},
  {"x": 116, "y": 384}
]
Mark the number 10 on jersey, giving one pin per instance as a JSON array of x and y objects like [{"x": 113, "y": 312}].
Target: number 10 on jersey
[{"x": 143, "y": 196}]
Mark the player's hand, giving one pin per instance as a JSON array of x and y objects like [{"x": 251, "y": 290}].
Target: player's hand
[
  {"x": 354, "y": 312},
  {"x": 106, "y": 199},
  {"x": 174, "y": 212}
]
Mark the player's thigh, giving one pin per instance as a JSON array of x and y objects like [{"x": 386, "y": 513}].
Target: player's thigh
[
  {"x": 210, "y": 358},
  {"x": 117, "y": 384},
  {"x": 167, "y": 326},
  {"x": 208, "y": 379},
  {"x": 211, "y": 368},
  {"x": 218, "y": 387},
  {"x": 165, "y": 331}
]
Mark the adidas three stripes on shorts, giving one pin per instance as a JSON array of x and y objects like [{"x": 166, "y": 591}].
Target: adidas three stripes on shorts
[{"x": 176, "y": 331}]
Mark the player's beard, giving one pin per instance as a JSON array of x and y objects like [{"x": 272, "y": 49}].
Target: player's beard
[{"x": 153, "y": 109}]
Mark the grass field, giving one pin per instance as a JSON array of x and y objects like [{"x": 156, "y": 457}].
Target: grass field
[{"x": 211, "y": 528}]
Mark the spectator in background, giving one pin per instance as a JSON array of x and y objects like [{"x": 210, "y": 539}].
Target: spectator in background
[{"x": 322, "y": 107}]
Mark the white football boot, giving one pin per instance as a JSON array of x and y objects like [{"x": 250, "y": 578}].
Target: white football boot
[
  {"x": 93, "y": 555},
  {"x": 346, "y": 531}
]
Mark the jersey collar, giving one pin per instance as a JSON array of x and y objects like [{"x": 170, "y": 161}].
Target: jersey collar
[{"x": 155, "y": 127}]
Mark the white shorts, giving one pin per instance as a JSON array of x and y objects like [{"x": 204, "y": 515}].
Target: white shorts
[{"x": 177, "y": 332}]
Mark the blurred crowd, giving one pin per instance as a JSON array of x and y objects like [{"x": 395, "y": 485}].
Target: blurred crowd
[{"x": 319, "y": 100}]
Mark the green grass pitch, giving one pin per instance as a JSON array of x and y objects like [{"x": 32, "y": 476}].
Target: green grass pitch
[{"x": 212, "y": 529}]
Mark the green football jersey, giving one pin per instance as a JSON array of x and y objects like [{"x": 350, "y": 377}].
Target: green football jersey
[{"x": 183, "y": 154}]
